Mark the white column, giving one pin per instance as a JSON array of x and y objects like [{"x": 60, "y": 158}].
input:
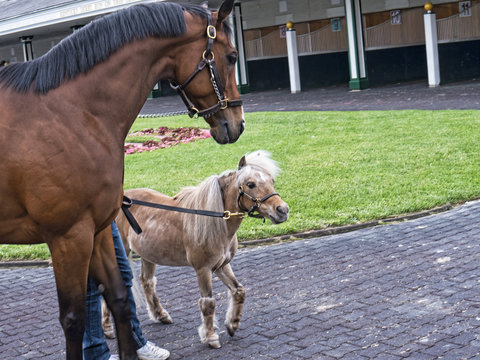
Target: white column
[
  {"x": 242, "y": 78},
  {"x": 431, "y": 45},
  {"x": 27, "y": 47},
  {"x": 293, "y": 66},
  {"x": 356, "y": 49}
]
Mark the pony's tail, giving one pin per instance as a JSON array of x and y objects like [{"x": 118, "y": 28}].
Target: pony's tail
[{"x": 138, "y": 295}]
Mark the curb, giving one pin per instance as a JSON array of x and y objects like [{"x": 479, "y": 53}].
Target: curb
[
  {"x": 283, "y": 238},
  {"x": 345, "y": 228}
]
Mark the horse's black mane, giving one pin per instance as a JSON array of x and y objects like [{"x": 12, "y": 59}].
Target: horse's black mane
[{"x": 95, "y": 42}]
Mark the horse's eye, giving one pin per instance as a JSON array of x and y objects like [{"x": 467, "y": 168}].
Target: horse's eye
[
  {"x": 232, "y": 58},
  {"x": 251, "y": 185}
]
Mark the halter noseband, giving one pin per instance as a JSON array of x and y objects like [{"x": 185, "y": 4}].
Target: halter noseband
[
  {"x": 256, "y": 203},
  {"x": 208, "y": 58}
]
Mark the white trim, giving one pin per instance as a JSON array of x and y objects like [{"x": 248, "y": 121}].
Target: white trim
[{"x": 61, "y": 14}]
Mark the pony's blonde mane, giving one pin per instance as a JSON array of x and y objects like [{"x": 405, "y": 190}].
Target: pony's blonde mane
[{"x": 206, "y": 196}]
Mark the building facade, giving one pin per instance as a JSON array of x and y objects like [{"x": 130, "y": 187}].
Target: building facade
[{"x": 388, "y": 36}]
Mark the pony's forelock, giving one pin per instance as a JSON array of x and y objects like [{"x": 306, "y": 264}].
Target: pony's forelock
[{"x": 261, "y": 160}]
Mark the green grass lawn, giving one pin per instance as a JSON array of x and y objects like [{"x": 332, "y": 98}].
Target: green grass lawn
[{"x": 338, "y": 167}]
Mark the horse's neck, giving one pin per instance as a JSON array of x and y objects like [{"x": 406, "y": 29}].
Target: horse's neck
[{"x": 114, "y": 91}]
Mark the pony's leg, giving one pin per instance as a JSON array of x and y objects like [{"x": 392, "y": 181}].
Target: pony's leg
[
  {"x": 237, "y": 298},
  {"x": 104, "y": 270},
  {"x": 70, "y": 257},
  {"x": 207, "y": 307},
  {"x": 107, "y": 324},
  {"x": 149, "y": 281}
]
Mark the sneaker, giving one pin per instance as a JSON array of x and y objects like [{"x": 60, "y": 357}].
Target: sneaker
[
  {"x": 150, "y": 351},
  {"x": 114, "y": 357}
]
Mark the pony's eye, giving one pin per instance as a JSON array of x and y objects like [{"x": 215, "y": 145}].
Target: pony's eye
[
  {"x": 232, "y": 58},
  {"x": 251, "y": 185}
]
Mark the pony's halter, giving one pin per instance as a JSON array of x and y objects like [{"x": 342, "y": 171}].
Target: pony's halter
[
  {"x": 256, "y": 202},
  {"x": 208, "y": 58}
]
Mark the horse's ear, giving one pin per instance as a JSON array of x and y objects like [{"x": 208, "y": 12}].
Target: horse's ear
[
  {"x": 225, "y": 10},
  {"x": 242, "y": 163}
]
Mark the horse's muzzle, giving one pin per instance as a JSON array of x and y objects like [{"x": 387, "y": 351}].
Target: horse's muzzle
[{"x": 227, "y": 132}]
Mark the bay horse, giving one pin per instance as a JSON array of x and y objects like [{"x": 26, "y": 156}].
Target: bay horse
[
  {"x": 207, "y": 244},
  {"x": 63, "y": 120}
]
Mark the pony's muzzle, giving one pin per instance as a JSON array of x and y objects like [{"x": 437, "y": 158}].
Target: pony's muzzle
[{"x": 281, "y": 214}]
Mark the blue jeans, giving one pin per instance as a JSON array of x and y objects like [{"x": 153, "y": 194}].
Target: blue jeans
[{"x": 94, "y": 344}]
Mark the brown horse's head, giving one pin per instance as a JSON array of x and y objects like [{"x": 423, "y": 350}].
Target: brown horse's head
[
  {"x": 255, "y": 178},
  {"x": 205, "y": 76}
]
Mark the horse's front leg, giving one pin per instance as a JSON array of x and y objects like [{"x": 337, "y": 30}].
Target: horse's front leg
[
  {"x": 149, "y": 282},
  {"x": 207, "y": 307},
  {"x": 105, "y": 272},
  {"x": 237, "y": 298},
  {"x": 70, "y": 257}
]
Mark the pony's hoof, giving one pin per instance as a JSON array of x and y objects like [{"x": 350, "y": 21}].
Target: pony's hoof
[
  {"x": 166, "y": 319},
  {"x": 214, "y": 344},
  {"x": 109, "y": 334},
  {"x": 231, "y": 328}
]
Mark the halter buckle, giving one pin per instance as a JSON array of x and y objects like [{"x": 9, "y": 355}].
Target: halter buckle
[
  {"x": 223, "y": 103},
  {"x": 211, "y": 32},
  {"x": 193, "y": 112}
]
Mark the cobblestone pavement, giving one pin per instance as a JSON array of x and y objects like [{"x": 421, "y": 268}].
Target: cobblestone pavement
[{"x": 404, "y": 290}]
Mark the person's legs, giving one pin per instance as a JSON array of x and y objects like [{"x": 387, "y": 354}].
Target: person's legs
[
  {"x": 94, "y": 345},
  {"x": 127, "y": 276}
]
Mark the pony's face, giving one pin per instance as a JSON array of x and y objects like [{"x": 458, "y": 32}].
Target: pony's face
[
  {"x": 257, "y": 185},
  {"x": 204, "y": 90}
]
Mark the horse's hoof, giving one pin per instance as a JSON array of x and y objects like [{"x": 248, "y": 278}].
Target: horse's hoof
[{"x": 214, "y": 344}]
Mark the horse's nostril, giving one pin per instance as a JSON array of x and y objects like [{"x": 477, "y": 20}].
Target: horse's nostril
[{"x": 282, "y": 210}]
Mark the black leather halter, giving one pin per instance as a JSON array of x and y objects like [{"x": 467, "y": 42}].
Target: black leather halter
[
  {"x": 208, "y": 58},
  {"x": 256, "y": 203}
]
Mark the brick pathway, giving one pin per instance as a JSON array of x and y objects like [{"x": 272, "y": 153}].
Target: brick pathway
[{"x": 405, "y": 290}]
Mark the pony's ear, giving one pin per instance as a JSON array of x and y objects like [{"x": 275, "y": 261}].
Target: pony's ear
[
  {"x": 225, "y": 10},
  {"x": 242, "y": 163}
]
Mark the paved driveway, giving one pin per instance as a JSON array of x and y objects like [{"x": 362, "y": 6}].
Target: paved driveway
[
  {"x": 413, "y": 95},
  {"x": 404, "y": 290}
]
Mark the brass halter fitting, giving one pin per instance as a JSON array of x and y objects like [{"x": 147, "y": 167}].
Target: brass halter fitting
[
  {"x": 205, "y": 56},
  {"x": 211, "y": 32}
]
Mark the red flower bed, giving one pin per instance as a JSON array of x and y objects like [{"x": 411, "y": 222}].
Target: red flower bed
[{"x": 166, "y": 138}]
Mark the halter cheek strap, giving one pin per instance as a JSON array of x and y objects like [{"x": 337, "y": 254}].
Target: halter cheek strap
[
  {"x": 256, "y": 202},
  {"x": 208, "y": 59}
]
